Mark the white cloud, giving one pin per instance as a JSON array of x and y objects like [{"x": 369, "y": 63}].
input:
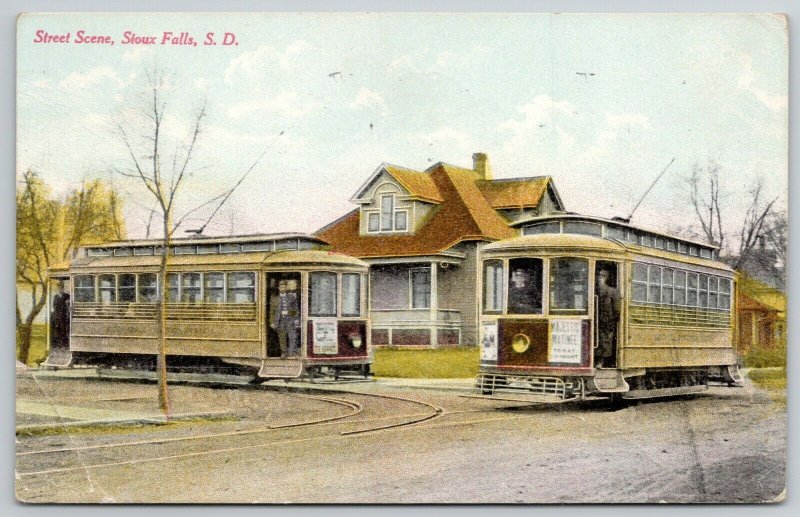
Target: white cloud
[
  {"x": 201, "y": 83},
  {"x": 367, "y": 99},
  {"x": 80, "y": 81},
  {"x": 137, "y": 54},
  {"x": 746, "y": 82},
  {"x": 288, "y": 104},
  {"x": 42, "y": 83},
  {"x": 538, "y": 114},
  {"x": 254, "y": 62}
]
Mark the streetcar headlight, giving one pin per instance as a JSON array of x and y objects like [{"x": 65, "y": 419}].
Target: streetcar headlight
[
  {"x": 355, "y": 340},
  {"x": 521, "y": 343}
]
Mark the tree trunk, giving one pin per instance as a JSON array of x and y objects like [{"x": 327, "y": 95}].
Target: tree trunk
[
  {"x": 161, "y": 364},
  {"x": 24, "y": 341}
]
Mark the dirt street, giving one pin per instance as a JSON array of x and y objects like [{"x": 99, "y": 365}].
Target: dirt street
[{"x": 728, "y": 445}]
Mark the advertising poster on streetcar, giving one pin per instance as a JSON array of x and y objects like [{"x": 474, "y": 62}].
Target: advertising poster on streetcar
[{"x": 332, "y": 257}]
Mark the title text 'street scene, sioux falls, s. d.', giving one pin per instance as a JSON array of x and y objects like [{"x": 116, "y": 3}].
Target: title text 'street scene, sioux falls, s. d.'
[{"x": 541, "y": 256}]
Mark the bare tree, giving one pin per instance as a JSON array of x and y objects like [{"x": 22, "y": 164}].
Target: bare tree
[
  {"x": 706, "y": 197},
  {"x": 163, "y": 179}
]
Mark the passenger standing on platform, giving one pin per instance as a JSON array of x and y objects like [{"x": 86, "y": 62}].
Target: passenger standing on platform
[
  {"x": 59, "y": 322},
  {"x": 608, "y": 304},
  {"x": 286, "y": 319}
]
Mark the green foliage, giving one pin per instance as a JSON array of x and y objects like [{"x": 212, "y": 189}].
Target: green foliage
[
  {"x": 38, "y": 347},
  {"x": 766, "y": 358},
  {"x": 442, "y": 363}
]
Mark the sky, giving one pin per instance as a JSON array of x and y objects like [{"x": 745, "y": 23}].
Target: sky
[{"x": 602, "y": 103}]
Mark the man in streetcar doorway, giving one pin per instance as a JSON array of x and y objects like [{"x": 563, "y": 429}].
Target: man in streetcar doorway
[
  {"x": 59, "y": 319},
  {"x": 607, "y": 319},
  {"x": 286, "y": 319}
]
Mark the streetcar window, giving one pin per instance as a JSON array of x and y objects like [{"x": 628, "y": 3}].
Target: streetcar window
[
  {"x": 654, "y": 284},
  {"x": 123, "y": 252},
  {"x": 84, "y": 288},
  {"x": 682, "y": 248},
  {"x": 420, "y": 288},
  {"x": 207, "y": 249},
  {"x": 724, "y": 293},
  {"x": 703, "y": 296},
  {"x": 631, "y": 236},
  {"x": 143, "y": 251},
  {"x": 493, "y": 286},
  {"x": 713, "y": 283},
  {"x": 525, "y": 286},
  {"x": 256, "y": 246},
  {"x": 705, "y": 253},
  {"x": 666, "y": 286},
  {"x": 658, "y": 242},
  {"x": 569, "y": 285},
  {"x": 241, "y": 288},
  {"x": 107, "y": 288},
  {"x": 98, "y": 252},
  {"x": 639, "y": 282},
  {"x": 693, "y": 251},
  {"x": 645, "y": 240},
  {"x": 582, "y": 228},
  {"x": 184, "y": 250},
  {"x": 351, "y": 294},
  {"x": 670, "y": 245},
  {"x": 214, "y": 287},
  {"x": 127, "y": 287},
  {"x": 534, "y": 229},
  {"x": 190, "y": 287},
  {"x": 229, "y": 248},
  {"x": 173, "y": 291},
  {"x": 148, "y": 287},
  {"x": 286, "y": 245},
  {"x": 322, "y": 294},
  {"x": 691, "y": 290},
  {"x": 615, "y": 232},
  {"x": 680, "y": 287}
]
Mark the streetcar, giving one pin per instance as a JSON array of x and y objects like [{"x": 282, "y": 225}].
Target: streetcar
[
  {"x": 580, "y": 306},
  {"x": 278, "y": 305}
]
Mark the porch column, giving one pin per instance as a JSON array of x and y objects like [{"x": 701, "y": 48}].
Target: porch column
[{"x": 434, "y": 305}]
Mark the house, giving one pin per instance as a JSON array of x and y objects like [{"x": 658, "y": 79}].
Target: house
[
  {"x": 420, "y": 231},
  {"x": 761, "y": 315}
]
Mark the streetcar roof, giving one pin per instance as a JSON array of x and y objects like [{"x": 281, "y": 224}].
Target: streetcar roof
[
  {"x": 522, "y": 223},
  {"x": 555, "y": 241},
  {"x": 203, "y": 239},
  {"x": 255, "y": 259}
]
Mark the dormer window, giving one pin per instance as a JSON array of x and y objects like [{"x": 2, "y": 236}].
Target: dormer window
[{"x": 389, "y": 219}]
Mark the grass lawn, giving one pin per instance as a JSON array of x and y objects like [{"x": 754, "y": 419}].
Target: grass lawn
[
  {"x": 443, "y": 363},
  {"x": 772, "y": 380},
  {"x": 38, "y": 351}
]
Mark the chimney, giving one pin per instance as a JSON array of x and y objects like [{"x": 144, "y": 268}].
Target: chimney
[{"x": 480, "y": 164}]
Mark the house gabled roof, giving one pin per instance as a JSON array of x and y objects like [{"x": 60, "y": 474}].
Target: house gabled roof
[
  {"x": 516, "y": 192},
  {"x": 418, "y": 184},
  {"x": 745, "y": 303},
  {"x": 465, "y": 211}
]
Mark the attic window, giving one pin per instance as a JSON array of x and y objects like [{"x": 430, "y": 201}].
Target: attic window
[{"x": 389, "y": 219}]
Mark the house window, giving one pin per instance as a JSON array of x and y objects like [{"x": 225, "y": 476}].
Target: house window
[
  {"x": 400, "y": 220},
  {"x": 387, "y": 213},
  {"x": 389, "y": 218},
  {"x": 420, "y": 288},
  {"x": 374, "y": 222}
]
